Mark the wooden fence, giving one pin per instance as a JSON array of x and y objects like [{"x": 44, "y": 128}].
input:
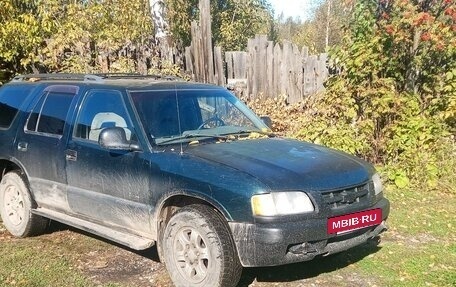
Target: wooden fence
[
  {"x": 265, "y": 70},
  {"x": 283, "y": 69}
]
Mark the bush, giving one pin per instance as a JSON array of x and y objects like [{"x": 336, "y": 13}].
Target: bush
[{"x": 411, "y": 149}]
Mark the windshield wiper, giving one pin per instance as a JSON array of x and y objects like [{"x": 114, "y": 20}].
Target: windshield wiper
[
  {"x": 250, "y": 131},
  {"x": 188, "y": 137}
]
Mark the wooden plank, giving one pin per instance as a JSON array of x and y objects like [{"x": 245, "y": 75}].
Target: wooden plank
[
  {"x": 219, "y": 77},
  {"x": 322, "y": 72},
  {"x": 270, "y": 70},
  {"x": 241, "y": 65},
  {"x": 285, "y": 68},
  {"x": 195, "y": 48},
  {"x": 292, "y": 72},
  {"x": 229, "y": 64},
  {"x": 189, "y": 61},
  {"x": 305, "y": 52},
  {"x": 277, "y": 62},
  {"x": 206, "y": 39},
  {"x": 294, "y": 92},
  {"x": 313, "y": 74},
  {"x": 251, "y": 86},
  {"x": 296, "y": 75},
  {"x": 261, "y": 64},
  {"x": 256, "y": 69}
]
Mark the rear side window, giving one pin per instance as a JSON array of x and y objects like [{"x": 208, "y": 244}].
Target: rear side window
[
  {"x": 11, "y": 98},
  {"x": 49, "y": 114}
]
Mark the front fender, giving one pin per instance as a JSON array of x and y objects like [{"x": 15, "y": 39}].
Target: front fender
[{"x": 191, "y": 194}]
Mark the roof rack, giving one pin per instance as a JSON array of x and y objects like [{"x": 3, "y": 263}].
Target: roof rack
[
  {"x": 90, "y": 77},
  {"x": 137, "y": 76},
  {"x": 68, "y": 77}
]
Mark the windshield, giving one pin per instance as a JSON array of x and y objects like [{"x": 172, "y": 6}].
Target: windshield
[{"x": 185, "y": 115}]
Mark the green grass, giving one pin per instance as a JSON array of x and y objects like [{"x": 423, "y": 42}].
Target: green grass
[
  {"x": 423, "y": 212},
  {"x": 408, "y": 265},
  {"x": 420, "y": 247},
  {"x": 31, "y": 263},
  {"x": 47, "y": 260}
]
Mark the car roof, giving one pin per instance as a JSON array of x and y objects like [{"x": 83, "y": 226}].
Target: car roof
[{"x": 128, "y": 81}]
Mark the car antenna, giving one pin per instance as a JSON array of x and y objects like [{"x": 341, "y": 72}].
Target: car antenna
[{"x": 179, "y": 120}]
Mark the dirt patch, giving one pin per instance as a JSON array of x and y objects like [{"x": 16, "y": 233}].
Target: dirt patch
[
  {"x": 105, "y": 263},
  {"x": 102, "y": 262},
  {"x": 123, "y": 267}
]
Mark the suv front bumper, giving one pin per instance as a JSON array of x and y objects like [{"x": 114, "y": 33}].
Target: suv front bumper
[{"x": 289, "y": 242}]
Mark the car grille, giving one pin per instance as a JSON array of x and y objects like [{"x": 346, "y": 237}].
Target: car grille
[{"x": 346, "y": 197}]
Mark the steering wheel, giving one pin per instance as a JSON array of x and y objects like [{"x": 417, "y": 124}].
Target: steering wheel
[{"x": 214, "y": 119}]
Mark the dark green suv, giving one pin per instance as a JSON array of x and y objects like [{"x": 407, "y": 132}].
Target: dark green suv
[{"x": 186, "y": 166}]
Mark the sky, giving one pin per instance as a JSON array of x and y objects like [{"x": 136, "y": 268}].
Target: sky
[{"x": 293, "y": 8}]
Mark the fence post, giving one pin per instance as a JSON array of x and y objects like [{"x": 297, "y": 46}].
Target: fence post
[{"x": 219, "y": 72}]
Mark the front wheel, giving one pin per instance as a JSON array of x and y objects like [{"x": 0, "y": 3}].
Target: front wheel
[
  {"x": 199, "y": 250},
  {"x": 16, "y": 207}
]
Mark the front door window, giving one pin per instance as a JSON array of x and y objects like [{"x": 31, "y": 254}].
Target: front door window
[{"x": 102, "y": 109}]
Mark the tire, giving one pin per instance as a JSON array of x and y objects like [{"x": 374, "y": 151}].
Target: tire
[
  {"x": 198, "y": 249},
  {"x": 16, "y": 207}
]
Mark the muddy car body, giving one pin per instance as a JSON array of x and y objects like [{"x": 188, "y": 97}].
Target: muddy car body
[{"x": 186, "y": 166}]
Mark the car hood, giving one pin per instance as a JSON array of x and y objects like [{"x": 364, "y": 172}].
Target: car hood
[{"x": 284, "y": 164}]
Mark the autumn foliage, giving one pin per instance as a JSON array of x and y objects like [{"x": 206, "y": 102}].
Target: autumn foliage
[{"x": 393, "y": 100}]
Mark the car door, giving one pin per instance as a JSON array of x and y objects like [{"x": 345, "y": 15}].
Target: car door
[
  {"x": 40, "y": 146},
  {"x": 109, "y": 187}
]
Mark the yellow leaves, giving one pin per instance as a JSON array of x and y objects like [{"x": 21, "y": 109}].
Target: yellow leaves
[
  {"x": 67, "y": 35},
  {"x": 7, "y": 11},
  {"x": 238, "y": 21},
  {"x": 256, "y": 136},
  {"x": 19, "y": 37}
]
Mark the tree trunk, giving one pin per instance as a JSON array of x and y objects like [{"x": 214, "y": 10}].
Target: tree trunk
[
  {"x": 328, "y": 22},
  {"x": 412, "y": 72},
  {"x": 157, "y": 8},
  {"x": 163, "y": 39}
]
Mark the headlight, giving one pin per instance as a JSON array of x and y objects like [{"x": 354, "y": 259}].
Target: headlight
[
  {"x": 378, "y": 187},
  {"x": 281, "y": 203}
]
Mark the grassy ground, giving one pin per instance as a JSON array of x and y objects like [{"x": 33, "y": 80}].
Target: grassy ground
[{"x": 419, "y": 249}]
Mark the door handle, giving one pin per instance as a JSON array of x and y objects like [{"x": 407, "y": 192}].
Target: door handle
[
  {"x": 71, "y": 155},
  {"x": 22, "y": 146}
]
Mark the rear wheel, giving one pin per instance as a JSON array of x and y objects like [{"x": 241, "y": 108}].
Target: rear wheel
[
  {"x": 198, "y": 249},
  {"x": 16, "y": 207}
]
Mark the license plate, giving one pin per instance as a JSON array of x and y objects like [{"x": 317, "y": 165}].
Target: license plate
[{"x": 353, "y": 221}]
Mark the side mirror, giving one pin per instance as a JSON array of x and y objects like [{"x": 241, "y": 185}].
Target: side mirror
[
  {"x": 267, "y": 121},
  {"x": 115, "y": 139}
]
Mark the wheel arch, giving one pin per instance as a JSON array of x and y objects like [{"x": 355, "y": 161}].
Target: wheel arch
[
  {"x": 173, "y": 202},
  {"x": 7, "y": 165},
  {"x": 30, "y": 224}
]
